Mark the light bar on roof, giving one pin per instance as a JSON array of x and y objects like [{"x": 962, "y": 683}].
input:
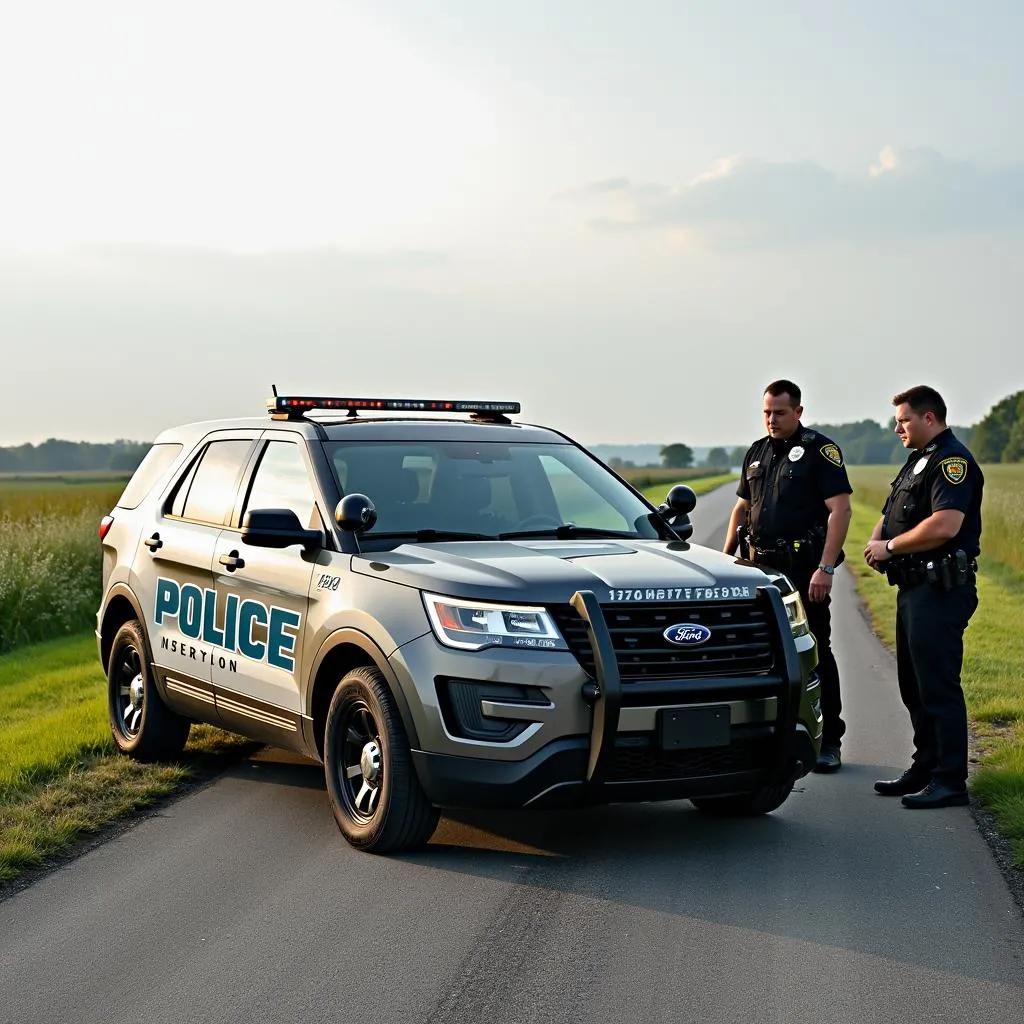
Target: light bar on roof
[{"x": 295, "y": 406}]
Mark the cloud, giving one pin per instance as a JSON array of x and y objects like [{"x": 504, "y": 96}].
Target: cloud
[{"x": 746, "y": 202}]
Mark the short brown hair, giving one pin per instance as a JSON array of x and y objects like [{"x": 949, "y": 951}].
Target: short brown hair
[
  {"x": 923, "y": 399},
  {"x": 784, "y": 387}
]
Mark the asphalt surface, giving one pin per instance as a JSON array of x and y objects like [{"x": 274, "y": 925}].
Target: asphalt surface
[{"x": 242, "y": 903}]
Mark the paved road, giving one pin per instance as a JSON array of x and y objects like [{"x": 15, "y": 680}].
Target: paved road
[{"x": 242, "y": 903}]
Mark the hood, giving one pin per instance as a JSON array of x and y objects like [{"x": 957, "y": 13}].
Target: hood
[{"x": 551, "y": 571}]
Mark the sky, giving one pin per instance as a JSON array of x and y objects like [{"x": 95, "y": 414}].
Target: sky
[{"x": 628, "y": 215}]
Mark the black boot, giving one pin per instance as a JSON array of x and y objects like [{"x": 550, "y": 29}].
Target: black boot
[
  {"x": 828, "y": 761},
  {"x": 935, "y": 794},
  {"x": 913, "y": 780}
]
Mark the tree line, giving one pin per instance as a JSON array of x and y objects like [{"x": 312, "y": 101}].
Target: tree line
[
  {"x": 998, "y": 437},
  {"x": 56, "y": 456}
]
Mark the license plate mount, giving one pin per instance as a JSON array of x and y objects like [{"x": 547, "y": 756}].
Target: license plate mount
[{"x": 694, "y": 728}]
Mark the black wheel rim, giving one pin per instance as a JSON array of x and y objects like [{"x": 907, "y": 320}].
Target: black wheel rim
[
  {"x": 361, "y": 764},
  {"x": 130, "y": 692}
]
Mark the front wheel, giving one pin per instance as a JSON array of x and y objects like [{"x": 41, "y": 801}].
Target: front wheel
[
  {"x": 745, "y": 805},
  {"x": 144, "y": 727},
  {"x": 375, "y": 795}
]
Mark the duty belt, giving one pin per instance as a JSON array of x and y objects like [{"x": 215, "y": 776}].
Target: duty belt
[
  {"x": 944, "y": 573},
  {"x": 784, "y": 555}
]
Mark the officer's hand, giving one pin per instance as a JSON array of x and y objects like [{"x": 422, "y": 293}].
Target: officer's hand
[
  {"x": 820, "y": 586},
  {"x": 875, "y": 555}
]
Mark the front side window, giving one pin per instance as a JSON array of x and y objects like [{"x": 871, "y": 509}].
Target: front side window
[
  {"x": 487, "y": 488},
  {"x": 282, "y": 481}
]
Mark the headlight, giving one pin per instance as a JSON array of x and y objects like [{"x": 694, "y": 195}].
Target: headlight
[
  {"x": 474, "y": 625},
  {"x": 794, "y": 606},
  {"x": 796, "y": 614}
]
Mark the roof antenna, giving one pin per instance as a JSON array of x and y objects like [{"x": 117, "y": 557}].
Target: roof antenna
[{"x": 273, "y": 387}]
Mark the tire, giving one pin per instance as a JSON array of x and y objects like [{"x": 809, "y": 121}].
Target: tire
[
  {"x": 375, "y": 795},
  {"x": 745, "y": 805},
  {"x": 144, "y": 727}
]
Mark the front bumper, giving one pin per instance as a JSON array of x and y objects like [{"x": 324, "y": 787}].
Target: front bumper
[{"x": 772, "y": 735}]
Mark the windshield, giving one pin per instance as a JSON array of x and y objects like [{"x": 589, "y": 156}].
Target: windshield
[{"x": 488, "y": 489}]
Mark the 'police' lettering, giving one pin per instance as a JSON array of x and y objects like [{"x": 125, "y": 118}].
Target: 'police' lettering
[{"x": 196, "y": 613}]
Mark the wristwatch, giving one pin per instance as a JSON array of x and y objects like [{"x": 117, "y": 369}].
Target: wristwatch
[{"x": 828, "y": 570}]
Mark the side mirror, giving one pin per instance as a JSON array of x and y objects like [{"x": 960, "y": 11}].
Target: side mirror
[
  {"x": 277, "y": 528},
  {"x": 355, "y": 513},
  {"x": 676, "y": 509}
]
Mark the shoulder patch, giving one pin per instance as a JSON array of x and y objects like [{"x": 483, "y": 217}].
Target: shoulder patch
[
  {"x": 808, "y": 435},
  {"x": 954, "y": 469},
  {"x": 832, "y": 453}
]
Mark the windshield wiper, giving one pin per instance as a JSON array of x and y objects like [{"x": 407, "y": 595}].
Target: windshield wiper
[
  {"x": 567, "y": 531},
  {"x": 431, "y": 536}
]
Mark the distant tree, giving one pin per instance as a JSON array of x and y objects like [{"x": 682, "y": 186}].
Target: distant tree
[
  {"x": 991, "y": 438},
  {"x": 718, "y": 458},
  {"x": 736, "y": 456},
  {"x": 677, "y": 456},
  {"x": 1014, "y": 450}
]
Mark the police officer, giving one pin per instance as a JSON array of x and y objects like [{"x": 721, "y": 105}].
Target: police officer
[
  {"x": 927, "y": 543},
  {"x": 792, "y": 515}
]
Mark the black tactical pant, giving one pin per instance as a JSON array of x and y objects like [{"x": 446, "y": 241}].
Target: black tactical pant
[
  {"x": 819, "y": 620},
  {"x": 930, "y": 626}
]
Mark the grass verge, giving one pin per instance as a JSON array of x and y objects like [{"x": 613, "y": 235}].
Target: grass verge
[
  {"x": 656, "y": 493},
  {"x": 993, "y": 678},
  {"x": 60, "y": 778}
]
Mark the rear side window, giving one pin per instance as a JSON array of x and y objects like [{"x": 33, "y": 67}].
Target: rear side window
[
  {"x": 149, "y": 472},
  {"x": 207, "y": 494}
]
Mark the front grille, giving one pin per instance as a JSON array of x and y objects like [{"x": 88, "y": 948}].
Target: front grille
[
  {"x": 647, "y": 762},
  {"x": 740, "y": 642}
]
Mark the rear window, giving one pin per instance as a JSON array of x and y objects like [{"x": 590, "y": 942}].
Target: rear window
[{"x": 151, "y": 469}]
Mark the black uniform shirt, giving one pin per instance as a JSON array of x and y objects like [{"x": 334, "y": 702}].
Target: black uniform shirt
[
  {"x": 941, "y": 475},
  {"x": 788, "y": 482}
]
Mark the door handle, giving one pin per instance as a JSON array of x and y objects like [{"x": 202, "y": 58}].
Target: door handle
[
  {"x": 232, "y": 561},
  {"x": 153, "y": 543}
]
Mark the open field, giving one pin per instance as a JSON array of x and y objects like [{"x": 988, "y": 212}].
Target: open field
[{"x": 993, "y": 673}]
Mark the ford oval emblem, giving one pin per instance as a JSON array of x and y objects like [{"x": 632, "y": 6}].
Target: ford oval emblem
[{"x": 687, "y": 634}]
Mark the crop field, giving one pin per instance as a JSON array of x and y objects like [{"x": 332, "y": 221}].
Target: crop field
[{"x": 50, "y": 555}]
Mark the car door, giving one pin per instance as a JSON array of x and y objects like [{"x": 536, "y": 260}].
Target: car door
[
  {"x": 173, "y": 567},
  {"x": 264, "y": 596}
]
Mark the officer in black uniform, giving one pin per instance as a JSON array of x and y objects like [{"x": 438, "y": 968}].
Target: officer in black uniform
[
  {"x": 792, "y": 515},
  {"x": 927, "y": 543}
]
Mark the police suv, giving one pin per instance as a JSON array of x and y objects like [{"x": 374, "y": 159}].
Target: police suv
[{"x": 446, "y": 610}]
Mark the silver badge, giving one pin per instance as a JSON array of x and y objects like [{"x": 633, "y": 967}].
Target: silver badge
[
  {"x": 919, "y": 465},
  {"x": 796, "y": 454}
]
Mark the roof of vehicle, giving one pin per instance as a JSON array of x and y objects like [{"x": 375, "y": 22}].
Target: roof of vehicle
[{"x": 377, "y": 427}]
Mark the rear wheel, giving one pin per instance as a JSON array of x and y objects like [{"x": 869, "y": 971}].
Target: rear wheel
[
  {"x": 376, "y": 797},
  {"x": 144, "y": 727},
  {"x": 745, "y": 805}
]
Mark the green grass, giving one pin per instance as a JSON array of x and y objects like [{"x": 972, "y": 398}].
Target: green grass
[
  {"x": 60, "y": 776},
  {"x": 993, "y": 672}
]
